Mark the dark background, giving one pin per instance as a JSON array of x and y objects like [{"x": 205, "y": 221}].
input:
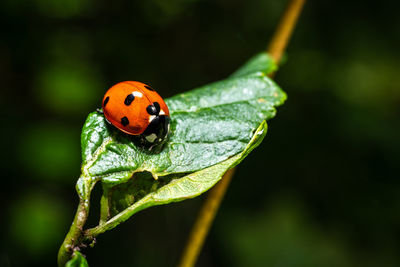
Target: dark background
[{"x": 321, "y": 190}]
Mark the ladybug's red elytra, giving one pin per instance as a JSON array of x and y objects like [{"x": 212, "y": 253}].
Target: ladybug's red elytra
[{"x": 137, "y": 109}]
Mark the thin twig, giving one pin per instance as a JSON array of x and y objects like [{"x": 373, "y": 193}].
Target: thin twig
[
  {"x": 285, "y": 28},
  {"x": 72, "y": 240},
  {"x": 210, "y": 207},
  {"x": 204, "y": 219}
]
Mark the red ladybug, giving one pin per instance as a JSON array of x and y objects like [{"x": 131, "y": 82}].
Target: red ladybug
[{"x": 136, "y": 109}]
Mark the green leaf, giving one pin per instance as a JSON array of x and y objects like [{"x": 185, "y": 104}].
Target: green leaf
[
  {"x": 78, "y": 260},
  {"x": 262, "y": 62},
  {"x": 173, "y": 189},
  {"x": 212, "y": 128},
  {"x": 208, "y": 125}
]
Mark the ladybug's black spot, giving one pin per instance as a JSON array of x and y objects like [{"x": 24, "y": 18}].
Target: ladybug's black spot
[
  {"x": 157, "y": 106},
  {"x": 149, "y": 88},
  {"x": 106, "y": 101},
  {"x": 124, "y": 121},
  {"x": 152, "y": 110},
  {"x": 128, "y": 100}
]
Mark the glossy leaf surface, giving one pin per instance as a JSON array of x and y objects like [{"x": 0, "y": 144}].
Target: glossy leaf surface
[{"x": 212, "y": 128}]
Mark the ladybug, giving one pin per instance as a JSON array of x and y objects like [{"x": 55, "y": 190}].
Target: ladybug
[{"x": 137, "y": 109}]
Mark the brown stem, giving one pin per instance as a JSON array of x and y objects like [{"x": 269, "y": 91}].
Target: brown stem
[
  {"x": 204, "y": 220},
  {"x": 210, "y": 207},
  {"x": 284, "y": 29}
]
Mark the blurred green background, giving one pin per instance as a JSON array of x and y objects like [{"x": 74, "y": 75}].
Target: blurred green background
[{"x": 322, "y": 189}]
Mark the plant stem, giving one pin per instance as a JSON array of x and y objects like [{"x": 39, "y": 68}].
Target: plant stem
[
  {"x": 104, "y": 207},
  {"x": 204, "y": 220},
  {"x": 284, "y": 29},
  {"x": 210, "y": 207},
  {"x": 73, "y": 238},
  {"x": 92, "y": 233}
]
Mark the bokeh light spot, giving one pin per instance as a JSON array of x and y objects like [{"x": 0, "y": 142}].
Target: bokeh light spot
[
  {"x": 37, "y": 223},
  {"x": 50, "y": 152}
]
